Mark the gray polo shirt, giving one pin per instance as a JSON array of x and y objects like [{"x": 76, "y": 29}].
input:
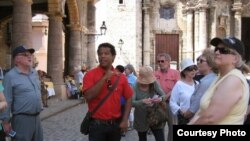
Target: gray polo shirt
[{"x": 22, "y": 93}]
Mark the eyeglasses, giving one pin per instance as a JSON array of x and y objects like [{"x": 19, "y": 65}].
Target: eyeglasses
[
  {"x": 109, "y": 84},
  {"x": 201, "y": 61},
  {"x": 161, "y": 61},
  {"x": 223, "y": 50},
  {"x": 24, "y": 54},
  {"x": 191, "y": 68}
]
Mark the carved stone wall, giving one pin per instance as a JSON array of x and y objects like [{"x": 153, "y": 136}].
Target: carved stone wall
[{"x": 223, "y": 18}]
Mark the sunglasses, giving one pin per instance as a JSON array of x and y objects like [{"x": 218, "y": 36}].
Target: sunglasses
[
  {"x": 191, "y": 68},
  {"x": 161, "y": 61},
  {"x": 201, "y": 61},
  {"x": 109, "y": 84},
  {"x": 223, "y": 50}
]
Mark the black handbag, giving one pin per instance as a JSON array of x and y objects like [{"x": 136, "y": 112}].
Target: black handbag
[{"x": 85, "y": 125}]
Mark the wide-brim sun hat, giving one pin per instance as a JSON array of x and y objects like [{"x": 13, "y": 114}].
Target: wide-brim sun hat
[
  {"x": 146, "y": 75},
  {"x": 185, "y": 63}
]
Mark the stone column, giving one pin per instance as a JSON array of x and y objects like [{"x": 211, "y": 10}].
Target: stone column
[
  {"x": 213, "y": 17},
  {"x": 196, "y": 32},
  {"x": 184, "y": 35},
  {"x": 56, "y": 54},
  {"x": 189, "y": 49},
  {"x": 75, "y": 51},
  {"x": 91, "y": 39},
  {"x": 22, "y": 23},
  {"x": 155, "y": 15},
  {"x": 237, "y": 7},
  {"x": 202, "y": 29},
  {"x": 146, "y": 37}
]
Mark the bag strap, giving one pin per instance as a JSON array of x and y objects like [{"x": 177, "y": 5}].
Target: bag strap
[{"x": 106, "y": 97}]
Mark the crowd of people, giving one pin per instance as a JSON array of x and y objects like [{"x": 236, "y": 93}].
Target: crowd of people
[{"x": 213, "y": 91}]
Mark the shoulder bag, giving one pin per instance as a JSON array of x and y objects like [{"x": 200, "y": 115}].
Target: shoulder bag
[
  {"x": 85, "y": 125},
  {"x": 157, "y": 114}
]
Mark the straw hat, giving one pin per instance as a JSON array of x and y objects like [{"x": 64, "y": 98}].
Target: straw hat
[
  {"x": 146, "y": 75},
  {"x": 187, "y": 63}
]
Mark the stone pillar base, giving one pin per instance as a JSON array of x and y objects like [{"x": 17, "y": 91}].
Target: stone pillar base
[{"x": 61, "y": 92}]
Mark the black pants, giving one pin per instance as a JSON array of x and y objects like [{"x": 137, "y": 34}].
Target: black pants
[
  {"x": 158, "y": 134},
  {"x": 2, "y": 135},
  {"x": 104, "y": 132}
]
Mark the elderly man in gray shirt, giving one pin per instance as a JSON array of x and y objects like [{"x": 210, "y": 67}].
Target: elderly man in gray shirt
[{"x": 23, "y": 95}]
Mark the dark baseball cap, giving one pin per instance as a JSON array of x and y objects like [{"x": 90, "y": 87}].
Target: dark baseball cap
[
  {"x": 21, "y": 49},
  {"x": 230, "y": 42}
]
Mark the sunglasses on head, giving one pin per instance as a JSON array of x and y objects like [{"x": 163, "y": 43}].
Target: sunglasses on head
[
  {"x": 191, "y": 68},
  {"x": 223, "y": 50},
  {"x": 161, "y": 61}
]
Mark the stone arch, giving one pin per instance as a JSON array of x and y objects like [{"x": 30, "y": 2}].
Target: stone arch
[
  {"x": 56, "y": 6},
  {"x": 73, "y": 12}
]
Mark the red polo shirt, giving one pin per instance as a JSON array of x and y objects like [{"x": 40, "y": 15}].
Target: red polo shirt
[{"x": 111, "y": 108}]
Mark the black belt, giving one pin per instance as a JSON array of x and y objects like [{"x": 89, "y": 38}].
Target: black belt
[
  {"x": 28, "y": 114},
  {"x": 108, "y": 122}
]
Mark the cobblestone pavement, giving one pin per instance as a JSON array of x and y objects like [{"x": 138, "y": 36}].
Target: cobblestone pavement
[{"x": 65, "y": 126}]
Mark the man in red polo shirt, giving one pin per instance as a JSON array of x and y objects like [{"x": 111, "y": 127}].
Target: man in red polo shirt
[{"x": 105, "y": 125}]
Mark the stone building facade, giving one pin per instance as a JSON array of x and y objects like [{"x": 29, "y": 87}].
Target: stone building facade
[
  {"x": 182, "y": 28},
  {"x": 196, "y": 22}
]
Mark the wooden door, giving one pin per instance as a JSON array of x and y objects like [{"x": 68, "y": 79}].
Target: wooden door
[{"x": 168, "y": 43}]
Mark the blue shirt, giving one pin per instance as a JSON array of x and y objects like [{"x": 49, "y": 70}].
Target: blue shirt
[
  {"x": 22, "y": 93},
  {"x": 131, "y": 79},
  {"x": 200, "y": 90}
]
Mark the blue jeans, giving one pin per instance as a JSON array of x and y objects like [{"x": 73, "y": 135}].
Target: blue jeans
[
  {"x": 104, "y": 132},
  {"x": 158, "y": 134}
]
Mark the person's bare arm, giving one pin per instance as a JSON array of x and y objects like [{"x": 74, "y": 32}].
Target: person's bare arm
[
  {"x": 188, "y": 114},
  {"x": 225, "y": 97},
  {"x": 124, "y": 122},
  {"x": 3, "y": 103}
]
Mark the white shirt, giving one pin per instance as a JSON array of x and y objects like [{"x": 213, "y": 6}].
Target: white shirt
[
  {"x": 180, "y": 96},
  {"x": 79, "y": 77}
]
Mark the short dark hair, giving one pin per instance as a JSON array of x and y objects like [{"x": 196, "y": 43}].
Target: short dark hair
[
  {"x": 107, "y": 45},
  {"x": 120, "y": 68}
]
